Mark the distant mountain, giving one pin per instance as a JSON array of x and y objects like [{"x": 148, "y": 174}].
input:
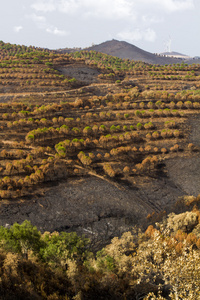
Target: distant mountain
[
  {"x": 186, "y": 58},
  {"x": 125, "y": 50},
  {"x": 176, "y": 55}
]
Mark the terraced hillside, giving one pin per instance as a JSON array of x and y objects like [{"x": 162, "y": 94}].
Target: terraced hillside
[{"x": 95, "y": 143}]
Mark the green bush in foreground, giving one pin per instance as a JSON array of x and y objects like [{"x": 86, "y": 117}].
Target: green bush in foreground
[{"x": 162, "y": 263}]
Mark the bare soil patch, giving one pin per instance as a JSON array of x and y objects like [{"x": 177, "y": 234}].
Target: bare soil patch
[
  {"x": 185, "y": 172},
  {"x": 81, "y": 73},
  {"x": 92, "y": 205}
]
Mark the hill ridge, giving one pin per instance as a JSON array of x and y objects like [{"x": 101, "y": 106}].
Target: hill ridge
[{"x": 125, "y": 50}]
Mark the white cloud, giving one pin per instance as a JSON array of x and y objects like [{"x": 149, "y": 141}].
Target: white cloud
[
  {"x": 139, "y": 14},
  {"x": 112, "y": 9},
  {"x": 149, "y": 35},
  {"x": 17, "y": 28},
  {"x": 137, "y": 34},
  {"x": 150, "y": 19},
  {"x": 56, "y": 31},
  {"x": 68, "y": 6},
  {"x": 44, "y": 6},
  {"x": 41, "y": 23},
  {"x": 130, "y": 35},
  {"x": 170, "y": 5}
]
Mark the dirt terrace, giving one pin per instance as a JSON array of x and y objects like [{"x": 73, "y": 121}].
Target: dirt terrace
[{"x": 94, "y": 206}]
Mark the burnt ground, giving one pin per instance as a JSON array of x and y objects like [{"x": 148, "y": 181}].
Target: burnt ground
[
  {"x": 185, "y": 172},
  {"x": 81, "y": 72},
  {"x": 94, "y": 206},
  {"x": 86, "y": 203}
]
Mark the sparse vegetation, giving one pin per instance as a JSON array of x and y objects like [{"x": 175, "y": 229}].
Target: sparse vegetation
[
  {"x": 55, "y": 127},
  {"x": 160, "y": 263}
]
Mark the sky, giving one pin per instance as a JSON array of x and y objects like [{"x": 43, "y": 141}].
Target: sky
[{"x": 153, "y": 25}]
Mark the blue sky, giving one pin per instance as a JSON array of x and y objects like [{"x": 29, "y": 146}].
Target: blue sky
[{"x": 148, "y": 24}]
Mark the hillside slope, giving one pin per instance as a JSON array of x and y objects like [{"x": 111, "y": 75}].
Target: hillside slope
[
  {"x": 100, "y": 156},
  {"x": 123, "y": 49}
]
